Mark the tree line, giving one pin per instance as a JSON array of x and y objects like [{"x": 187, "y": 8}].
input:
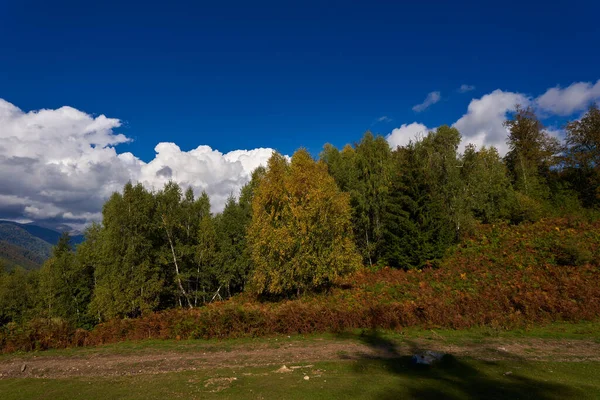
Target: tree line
[{"x": 300, "y": 224}]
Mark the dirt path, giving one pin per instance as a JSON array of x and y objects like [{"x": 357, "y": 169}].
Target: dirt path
[{"x": 148, "y": 361}]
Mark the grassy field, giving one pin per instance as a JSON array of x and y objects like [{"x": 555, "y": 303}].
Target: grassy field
[
  {"x": 369, "y": 379},
  {"x": 558, "y": 361}
]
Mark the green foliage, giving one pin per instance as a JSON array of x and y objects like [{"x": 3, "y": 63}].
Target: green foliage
[
  {"x": 300, "y": 236},
  {"x": 488, "y": 192},
  {"x": 525, "y": 209},
  {"x": 572, "y": 252},
  {"x": 66, "y": 284},
  {"x": 128, "y": 280},
  {"x": 582, "y": 156},
  {"x": 18, "y": 295},
  {"x": 427, "y": 208},
  {"x": 365, "y": 173},
  {"x": 532, "y": 152}
]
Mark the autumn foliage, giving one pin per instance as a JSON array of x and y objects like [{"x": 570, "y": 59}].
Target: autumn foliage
[{"x": 301, "y": 232}]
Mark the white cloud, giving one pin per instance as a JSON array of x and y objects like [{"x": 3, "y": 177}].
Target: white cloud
[
  {"x": 481, "y": 125},
  {"x": 431, "y": 99},
  {"x": 483, "y": 122},
  {"x": 384, "y": 118},
  {"x": 465, "y": 88},
  {"x": 61, "y": 165},
  {"x": 573, "y": 98},
  {"x": 403, "y": 135}
]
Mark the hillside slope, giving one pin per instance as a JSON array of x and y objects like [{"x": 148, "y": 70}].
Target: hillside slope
[
  {"x": 46, "y": 234},
  {"x": 12, "y": 256},
  {"x": 17, "y": 236}
]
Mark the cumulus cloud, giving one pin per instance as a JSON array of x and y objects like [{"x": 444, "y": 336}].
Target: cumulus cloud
[
  {"x": 573, "y": 98},
  {"x": 407, "y": 132},
  {"x": 483, "y": 122},
  {"x": 465, "y": 88},
  {"x": 481, "y": 125},
  {"x": 431, "y": 99},
  {"x": 61, "y": 165}
]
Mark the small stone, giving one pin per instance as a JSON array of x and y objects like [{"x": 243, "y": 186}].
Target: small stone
[
  {"x": 306, "y": 378},
  {"x": 283, "y": 369},
  {"x": 23, "y": 367},
  {"x": 508, "y": 373}
]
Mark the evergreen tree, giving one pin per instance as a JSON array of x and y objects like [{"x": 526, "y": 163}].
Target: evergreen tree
[
  {"x": 417, "y": 231},
  {"x": 66, "y": 284},
  {"x": 128, "y": 278}
]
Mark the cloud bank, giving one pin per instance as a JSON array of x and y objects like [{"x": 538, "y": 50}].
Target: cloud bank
[
  {"x": 59, "y": 166},
  {"x": 482, "y": 124}
]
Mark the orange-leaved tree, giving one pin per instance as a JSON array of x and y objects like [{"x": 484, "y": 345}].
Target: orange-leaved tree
[{"x": 301, "y": 234}]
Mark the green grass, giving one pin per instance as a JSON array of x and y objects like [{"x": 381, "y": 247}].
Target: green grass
[{"x": 362, "y": 379}]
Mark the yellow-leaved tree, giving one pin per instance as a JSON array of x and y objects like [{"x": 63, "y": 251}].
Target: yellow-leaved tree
[{"x": 301, "y": 234}]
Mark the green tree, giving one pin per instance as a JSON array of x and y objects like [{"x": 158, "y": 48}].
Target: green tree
[
  {"x": 417, "y": 229},
  {"x": 19, "y": 295},
  {"x": 128, "y": 278},
  {"x": 66, "y": 284},
  {"x": 300, "y": 236},
  {"x": 582, "y": 156},
  {"x": 532, "y": 152},
  {"x": 488, "y": 190},
  {"x": 365, "y": 173},
  {"x": 206, "y": 257},
  {"x": 170, "y": 218}
]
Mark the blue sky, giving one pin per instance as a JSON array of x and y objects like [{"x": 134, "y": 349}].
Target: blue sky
[
  {"x": 241, "y": 76},
  {"x": 237, "y": 75}
]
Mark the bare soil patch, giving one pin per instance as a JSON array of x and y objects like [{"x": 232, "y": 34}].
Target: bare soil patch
[{"x": 292, "y": 354}]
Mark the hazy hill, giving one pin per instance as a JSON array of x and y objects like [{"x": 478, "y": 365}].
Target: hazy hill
[
  {"x": 27, "y": 245},
  {"x": 46, "y": 234},
  {"x": 12, "y": 256}
]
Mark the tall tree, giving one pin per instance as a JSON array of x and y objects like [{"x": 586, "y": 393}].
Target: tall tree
[
  {"x": 488, "y": 191},
  {"x": 531, "y": 153},
  {"x": 128, "y": 278},
  {"x": 418, "y": 227},
  {"x": 365, "y": 173},
  {"x": 582, "y": 155},
  {"x": 65, "y": 284},
  {"x": 300, "y": 236},
  {"x": 170, "y": 217}
]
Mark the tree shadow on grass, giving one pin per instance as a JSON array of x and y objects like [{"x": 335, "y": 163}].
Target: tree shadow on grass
[{"x": 451, "y": 378}]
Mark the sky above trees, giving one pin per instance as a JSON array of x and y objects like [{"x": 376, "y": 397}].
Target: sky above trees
[{"x": 94, "y": 95}]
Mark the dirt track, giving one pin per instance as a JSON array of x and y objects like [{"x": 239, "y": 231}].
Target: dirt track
[{"x": 148, "y": 361}]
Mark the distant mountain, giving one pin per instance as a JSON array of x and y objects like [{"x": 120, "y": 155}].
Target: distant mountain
[
  {"x": 17, "y": 237},
  {"x": 12, "y": 256},
  {"x": 28, "y": 245},
  {"x": 45, "y": 233}
]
